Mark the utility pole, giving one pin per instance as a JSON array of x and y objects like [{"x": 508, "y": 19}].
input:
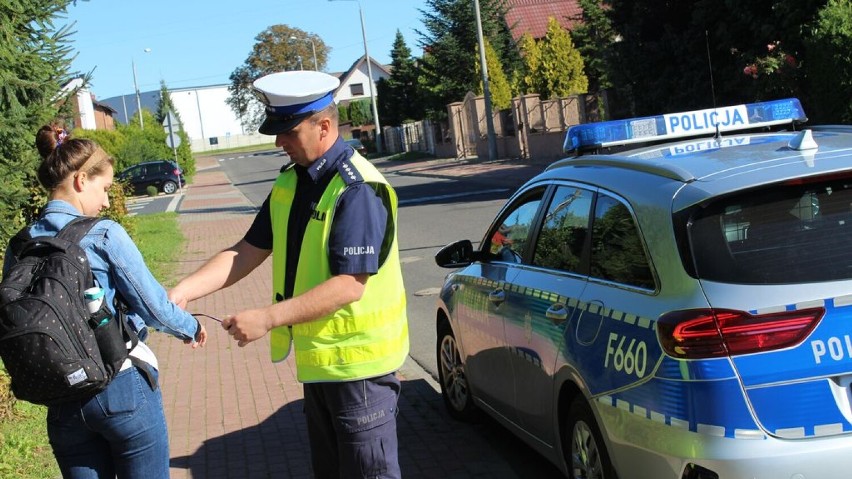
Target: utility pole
[{"x": 138, "y": 100}]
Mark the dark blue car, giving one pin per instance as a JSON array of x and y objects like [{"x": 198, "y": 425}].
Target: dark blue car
[{"x": 165, "y": 175}]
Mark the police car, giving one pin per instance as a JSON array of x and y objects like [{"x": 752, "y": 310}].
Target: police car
[{"x": 678, "y": 310}]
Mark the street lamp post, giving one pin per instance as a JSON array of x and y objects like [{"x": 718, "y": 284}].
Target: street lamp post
[
  {"x": 313, "y": 49},
  {"x": 138, "y": 100},
  {"x": 369, "y": 74}
]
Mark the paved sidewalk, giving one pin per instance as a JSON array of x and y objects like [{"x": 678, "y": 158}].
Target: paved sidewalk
[{"x": 234, "y": 414}]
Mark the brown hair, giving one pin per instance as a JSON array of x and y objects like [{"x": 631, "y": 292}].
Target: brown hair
[{"x": 63, "y": 156}]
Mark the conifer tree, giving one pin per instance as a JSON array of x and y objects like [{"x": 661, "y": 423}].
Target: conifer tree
[
  {"x": 36, "y": 55},
  {"x": 594, "y": 36},
  {"x": 450, "y": 47},
  {"x": 397, "y": 96},
  {"x": 561, "y": 64},
  {"x": 498, "y": 84},
  {"x": 531, "y": 80},
  {"x": 165, "y": 105}
]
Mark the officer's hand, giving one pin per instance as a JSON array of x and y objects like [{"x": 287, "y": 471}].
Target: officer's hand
[{"x": 248, "y": 325}]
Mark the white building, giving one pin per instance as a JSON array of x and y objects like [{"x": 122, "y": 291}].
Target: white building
[
  {"x": 354, "y": 82},
  {"x": 210, "y": 122}
]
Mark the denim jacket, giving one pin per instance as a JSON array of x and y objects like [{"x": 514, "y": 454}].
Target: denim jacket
[{"x": 117, "y": 265}]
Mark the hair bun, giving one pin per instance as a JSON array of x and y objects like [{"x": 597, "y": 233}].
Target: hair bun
[{"x": 49, "y": 138}]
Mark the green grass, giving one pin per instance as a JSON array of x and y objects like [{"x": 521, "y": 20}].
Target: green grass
[
  {"x": 160, "y": 240},
  {"x": 239, "y": 149},
  {"x": 24, "y": 449}
]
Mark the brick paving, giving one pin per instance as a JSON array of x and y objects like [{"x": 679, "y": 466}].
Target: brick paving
[{"x": 233, "y": 414}]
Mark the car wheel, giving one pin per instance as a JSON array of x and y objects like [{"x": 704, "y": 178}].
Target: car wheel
[
  {"x": 582, "y": 444},
  {"x": 454, "y": 387},
  {"x": 169, "y": 187}
]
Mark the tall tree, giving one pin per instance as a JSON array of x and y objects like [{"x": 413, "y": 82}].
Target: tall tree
[
  {"x": 278, "y": 48},
  {"x": 668, "y": 50},
  {"x": 594, "y": 36},
  {"x": 165, "y": 105},
  {"x": 829, "y": 49},
  {"x": 530, "y": 80},
  {"x": 552, "y": 66},
  {"x": 398, "y": 96},
  {"x": 561, "y": 63},
  {"x": 35, "y": 60},
  {"x": 450, "y": 39},
  {"x": 498, "y": 84}
]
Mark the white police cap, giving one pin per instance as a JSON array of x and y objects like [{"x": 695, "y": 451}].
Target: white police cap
[{"x": 292, "y": 96}]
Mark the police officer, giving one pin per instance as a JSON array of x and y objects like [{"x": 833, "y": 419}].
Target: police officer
[{"x": 338, "y": 297}]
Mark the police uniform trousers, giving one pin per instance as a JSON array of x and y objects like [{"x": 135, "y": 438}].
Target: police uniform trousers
[{"x": 352, "y": 428}]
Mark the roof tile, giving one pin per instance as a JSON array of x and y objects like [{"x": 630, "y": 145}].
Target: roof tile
[{"x": 530, "y": 16}]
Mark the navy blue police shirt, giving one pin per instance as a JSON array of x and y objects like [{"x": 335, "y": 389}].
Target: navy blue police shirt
[{"x": 357, "y": 229}]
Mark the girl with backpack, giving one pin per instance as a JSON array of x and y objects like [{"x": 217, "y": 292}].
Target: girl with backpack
[{"x": 120, "y": 431}]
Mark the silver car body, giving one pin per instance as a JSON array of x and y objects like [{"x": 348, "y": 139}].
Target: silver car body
[{"x": 534, "y": 338}]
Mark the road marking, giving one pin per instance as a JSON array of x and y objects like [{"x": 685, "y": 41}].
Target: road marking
[
  {"x": 424, "y": 199},
  {"x": 173, "y": 204},
  {"x": 428, "y": 292}
]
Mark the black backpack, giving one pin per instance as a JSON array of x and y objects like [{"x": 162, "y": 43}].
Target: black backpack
[{"x": 54, "y": 349}]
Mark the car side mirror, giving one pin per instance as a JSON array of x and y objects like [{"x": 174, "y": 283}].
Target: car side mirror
[{"x": 456, "y": 255}]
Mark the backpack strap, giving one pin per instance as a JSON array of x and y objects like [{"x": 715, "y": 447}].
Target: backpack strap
[
  {"x": 74, "y": 231},
  {"x": 16, "y": 244}
]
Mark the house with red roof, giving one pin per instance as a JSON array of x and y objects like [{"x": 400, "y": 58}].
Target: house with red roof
[{"x": 530, "y": 16}]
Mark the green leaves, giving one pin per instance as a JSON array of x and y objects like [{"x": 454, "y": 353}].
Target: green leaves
[
  {"x": 278, "y": 48},
  {"x": 35, "y": 58},
  {"x": 398, "y": 96}
]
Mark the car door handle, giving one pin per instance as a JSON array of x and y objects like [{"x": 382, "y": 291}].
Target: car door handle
[
  {"x": 497, "y": 296},
  {"x": 556, "y": 313}
]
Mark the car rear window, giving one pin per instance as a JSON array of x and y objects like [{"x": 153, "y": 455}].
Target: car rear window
[{"x": 795, "y": 232}]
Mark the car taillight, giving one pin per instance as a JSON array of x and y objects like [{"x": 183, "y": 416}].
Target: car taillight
[
  {"x": 177, "y": 172},
  {"x": 712, "y": 333}
]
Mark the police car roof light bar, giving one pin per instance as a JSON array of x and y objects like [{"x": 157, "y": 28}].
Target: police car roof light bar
[{"x": 684, "y": 124}]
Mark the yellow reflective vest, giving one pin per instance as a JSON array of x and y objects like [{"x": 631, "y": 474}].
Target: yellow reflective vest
[{"x": 367, "y": 338}]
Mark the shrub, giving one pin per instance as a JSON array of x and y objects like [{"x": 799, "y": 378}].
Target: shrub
[
  {"x": 7, "y": 400},
  {"x": 151, "y": 190},
  {"x": 117, "y": 210}
]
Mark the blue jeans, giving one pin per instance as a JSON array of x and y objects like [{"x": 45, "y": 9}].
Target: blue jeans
[
  {"x": 119, "y": 432},
  {"x": 352, "y": 428}
]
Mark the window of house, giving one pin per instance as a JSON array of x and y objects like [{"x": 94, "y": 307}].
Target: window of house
[{"x": 356, "y": 89}]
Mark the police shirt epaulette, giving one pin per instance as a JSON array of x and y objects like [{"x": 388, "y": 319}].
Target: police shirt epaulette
[{"x": 348, "y": 172}]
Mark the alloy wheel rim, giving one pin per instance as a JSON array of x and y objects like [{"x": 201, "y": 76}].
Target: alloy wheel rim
[
  {"x": 585, "y": 455},
  {"x": 455, "y": 382}
]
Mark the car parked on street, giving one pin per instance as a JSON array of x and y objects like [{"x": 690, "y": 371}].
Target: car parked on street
[
  {"x": 165, "y": 175},
  {"x": 677, "y": 310},
  {"x": 356, "y": 145}
]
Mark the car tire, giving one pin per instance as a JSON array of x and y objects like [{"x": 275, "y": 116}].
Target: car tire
[
  {"x": 455, "y": 389},
  {"x": 169, "y": 187},
  {"x": 582, "y": 444}
]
